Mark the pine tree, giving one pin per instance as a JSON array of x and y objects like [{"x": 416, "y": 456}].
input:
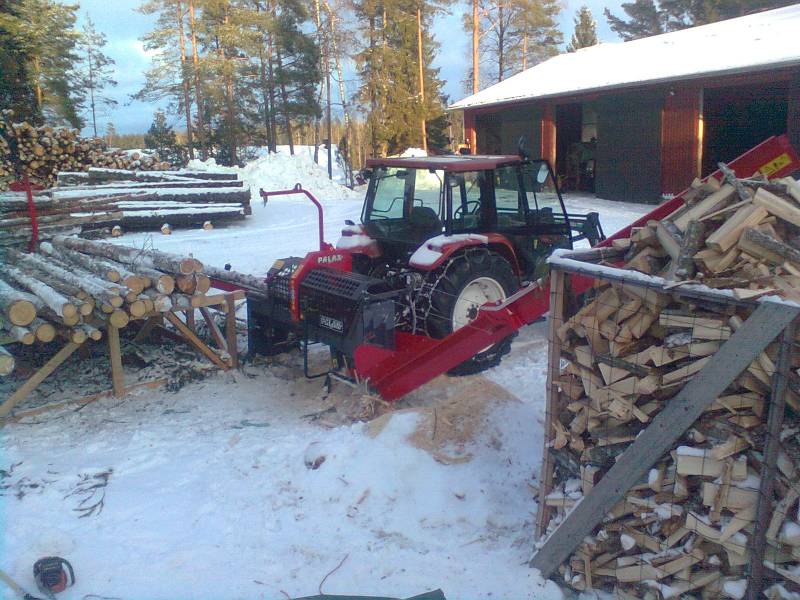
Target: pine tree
[
  {"x": 585, "y": 30},
  {"x": 538, "y": 36},
  {"x": 516, "y": 34},
  {"x": 16, "y": 91},
  {"x": 111, "y": 133},
  {"x": 644, "y": 19},
  {"x": 44, "y": 34},
  {"x": 651, "y": 17},
  {"x": 96, "y": 69},
  {"x": 168, "y": 76},
  {"x": 161, "y": 138},
  {"x": 389, "y": 66}
]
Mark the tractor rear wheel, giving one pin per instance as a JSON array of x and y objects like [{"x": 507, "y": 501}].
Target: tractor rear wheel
[{"x": 458, "y": 290}]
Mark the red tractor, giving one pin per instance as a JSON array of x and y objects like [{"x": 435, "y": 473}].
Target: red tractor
[
  {"x": 448, "y": 263},
  {"x": 439, "y": 238}
]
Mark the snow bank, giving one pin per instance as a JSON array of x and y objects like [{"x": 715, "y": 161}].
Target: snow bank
[{"x": 282, "y": 172}]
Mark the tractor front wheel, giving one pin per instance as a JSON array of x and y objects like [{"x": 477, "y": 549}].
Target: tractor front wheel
[{"x": 459, "y": 289}]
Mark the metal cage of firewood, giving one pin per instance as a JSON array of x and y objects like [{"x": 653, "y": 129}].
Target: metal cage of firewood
[{"x": 670, "y": 464}]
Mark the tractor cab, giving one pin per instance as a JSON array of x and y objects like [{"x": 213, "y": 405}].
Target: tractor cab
[{"x": 412, "y": 200}]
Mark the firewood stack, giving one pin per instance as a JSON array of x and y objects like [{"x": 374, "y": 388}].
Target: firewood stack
[
  {"x": 743, "y": 235},
  {"x": 687, "y": 528},
  {"x": 44, "y": 151},
  {"x": 74, "y": 289}
]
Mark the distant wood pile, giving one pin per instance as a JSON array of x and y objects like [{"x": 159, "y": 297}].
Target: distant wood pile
[{"x": 42, "y": 152}]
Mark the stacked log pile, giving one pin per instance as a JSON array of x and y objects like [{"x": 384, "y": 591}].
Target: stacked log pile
[
  {"x": 687, "y": 530},
  {"x": 181, "y": 201},
  {"x": 74, "y": 289},
  {"x": 42, "y": 152}
]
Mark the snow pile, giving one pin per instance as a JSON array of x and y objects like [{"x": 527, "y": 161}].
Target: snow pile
[
  {"x": 282, "y": 172},
  {"x": 339, "y": 176},
  {"x": 413, "y": 153}
]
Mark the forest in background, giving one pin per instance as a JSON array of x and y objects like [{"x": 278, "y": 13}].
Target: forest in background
[{"x": 241, "y": 73}]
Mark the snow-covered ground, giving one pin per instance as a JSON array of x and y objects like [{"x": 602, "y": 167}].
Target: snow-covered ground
[{"x": 211, "y": 491}]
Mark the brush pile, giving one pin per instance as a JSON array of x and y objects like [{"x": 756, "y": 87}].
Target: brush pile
[
  {"x": 42, "y": 152},
  {"x": 74, "y": 289},
  {"x": 621, "y": 357},
  {"x": 114, "y": 204}
]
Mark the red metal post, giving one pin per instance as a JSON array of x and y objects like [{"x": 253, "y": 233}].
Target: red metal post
[{"x": 298, "y": 189}]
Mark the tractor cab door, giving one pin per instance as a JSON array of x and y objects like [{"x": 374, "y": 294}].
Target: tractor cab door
[{"x": 546, "y": 222}]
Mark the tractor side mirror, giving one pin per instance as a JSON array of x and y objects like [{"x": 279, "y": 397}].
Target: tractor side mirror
[{"x": 543, "y": 173}]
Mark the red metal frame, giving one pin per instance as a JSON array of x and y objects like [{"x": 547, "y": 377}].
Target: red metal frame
[
  {"x": 26, "y": 186},
  {"x": 298, "y": 189}
]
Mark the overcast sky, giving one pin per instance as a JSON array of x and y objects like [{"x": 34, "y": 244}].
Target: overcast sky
[{"x": 123, "y": 25}]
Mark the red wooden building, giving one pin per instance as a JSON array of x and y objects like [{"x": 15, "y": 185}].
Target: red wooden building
[{"x": 637, "y": 120}]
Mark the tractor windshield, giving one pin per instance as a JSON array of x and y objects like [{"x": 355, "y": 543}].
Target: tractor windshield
[{"x": 405, "y": 203}]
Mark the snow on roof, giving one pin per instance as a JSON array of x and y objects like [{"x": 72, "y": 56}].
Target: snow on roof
[{"x": 754, "y": 42}]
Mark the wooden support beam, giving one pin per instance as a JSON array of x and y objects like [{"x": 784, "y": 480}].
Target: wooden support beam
[
  {"x": 115, "y": 357},
  {"x": 230, "y": 330},
  {"x": 33, "y": 382},
  {"x": 777, "y": 407},
  {"x": 556, "y": 320},
  {"x": 744, "y": 346},
  {"x": 212, "y": 327},
  {"x": 195, "y": 341}
]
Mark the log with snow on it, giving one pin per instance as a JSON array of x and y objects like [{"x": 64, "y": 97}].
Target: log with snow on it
[
  {"x": 189, "y": 217},
  {"x": 92, "y": 218},
  {"x": 18, "y": 307},
  {"x": 19, "y": 201},
  {"x": 102, "y": 175},
  {"x": 131, "y": 205},
  {"x": 21, "y": 235},
  {"x": 110, "y": 271},
  {"x": 249, "y": 282},
  {"x": 99, "y": 175},
  {"x": 54, "y": 300},
  {"x": 155, "y": 185},
  {"x": 133, "y": 257},
  {"x": 221, "y": 195}
]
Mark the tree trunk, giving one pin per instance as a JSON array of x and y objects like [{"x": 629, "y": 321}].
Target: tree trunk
[
  {"x": 187, "y": 100},
  {"x": 285, "y": 109},
  {"x": 525, "y": 49},
  {"x": 343, "y": 96},
  {"x": 501, "y": 42},
  {"x": 91, "y": 91},
  {"x": 476, "y": 63},
  {"x": 373, "y": 100},
  {"x": 201, "y": 133},
  {"x": 271, "y": 82},
  {"x": 421, "y": 59}
]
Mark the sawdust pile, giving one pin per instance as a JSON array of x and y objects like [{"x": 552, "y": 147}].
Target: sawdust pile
[{"x": 452, "y": 413}]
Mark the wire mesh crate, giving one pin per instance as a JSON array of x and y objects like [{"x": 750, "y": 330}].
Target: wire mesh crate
[{"x": 671, "y": 450}]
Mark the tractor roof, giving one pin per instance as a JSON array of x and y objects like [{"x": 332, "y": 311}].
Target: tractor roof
[{"x": 453, "y": 162}]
